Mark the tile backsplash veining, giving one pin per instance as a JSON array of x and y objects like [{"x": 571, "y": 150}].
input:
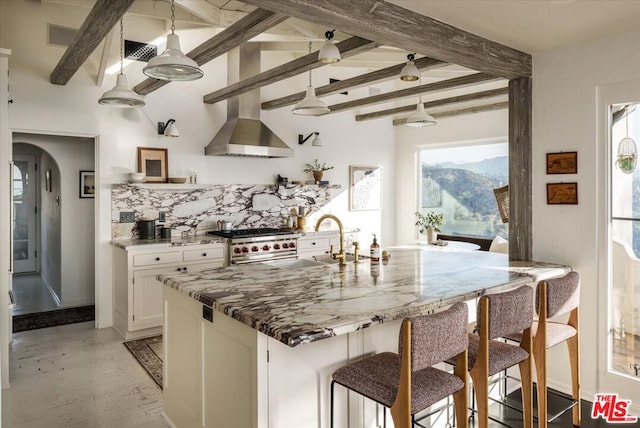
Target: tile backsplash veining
[{"x": 194, "y": 209}]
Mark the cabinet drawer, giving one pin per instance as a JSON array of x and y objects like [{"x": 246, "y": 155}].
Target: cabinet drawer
[
  {"x": 156, "y": 258},
  {"x": 204, "y": 254},
  {"x": 321, "y": 244}
]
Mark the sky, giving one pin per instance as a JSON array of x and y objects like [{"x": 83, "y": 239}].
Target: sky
[{"x": 464, "y": 154}]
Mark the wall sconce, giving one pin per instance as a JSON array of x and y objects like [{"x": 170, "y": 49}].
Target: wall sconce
[
  {"x": 315, "y": 141},
  {"x": 168, "y": 129}
]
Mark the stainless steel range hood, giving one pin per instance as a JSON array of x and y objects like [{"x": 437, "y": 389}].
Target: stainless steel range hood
[{"x": 244, "y": 134}]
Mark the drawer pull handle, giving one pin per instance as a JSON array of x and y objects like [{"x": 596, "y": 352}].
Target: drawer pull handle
[
  {"x": 204, "y": 254},
  {"x": 184, "y": 268},
  {"x": 157, "y": 259},
  {"x": 178, "y": 269},
  {"x": 313, "y": 243}
]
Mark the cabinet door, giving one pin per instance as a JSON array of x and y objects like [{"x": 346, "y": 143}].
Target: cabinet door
[{"x": 147, "y": 298}]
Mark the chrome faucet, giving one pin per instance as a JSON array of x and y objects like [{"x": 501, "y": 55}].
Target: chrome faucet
[{"x": 341, "y": 256}]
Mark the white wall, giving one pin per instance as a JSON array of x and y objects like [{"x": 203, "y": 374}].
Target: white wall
[
  {"x": 73, "y": 109},
  {"x": 564, "y": 119},
  {"x": 481, "y": 127}
]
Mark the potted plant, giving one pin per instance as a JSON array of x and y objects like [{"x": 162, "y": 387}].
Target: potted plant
[
  {"x": 430, "y": 224},
  {"x": 317, "y": 169}
]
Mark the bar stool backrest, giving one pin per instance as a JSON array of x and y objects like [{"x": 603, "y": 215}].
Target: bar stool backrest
[
  {"x": 509, "y": 312},
  {"x": 437, "y": 337},
  {"x": 563, "y": 294}
]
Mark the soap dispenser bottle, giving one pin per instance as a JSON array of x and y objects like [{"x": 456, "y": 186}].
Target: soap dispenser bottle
[{"x": 374, "y": 252}]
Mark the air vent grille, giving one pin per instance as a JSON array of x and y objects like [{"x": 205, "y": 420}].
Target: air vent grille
[
  {"x": 61, "y": 36},
  {"x": 139, "y": 51}
]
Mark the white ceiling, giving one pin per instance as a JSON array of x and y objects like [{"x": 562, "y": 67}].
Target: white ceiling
[{"x": 533, "y": 26}]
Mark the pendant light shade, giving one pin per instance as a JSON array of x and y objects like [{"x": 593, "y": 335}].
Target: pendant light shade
[
  {"x": 627, "y": 151},
  {"x": 410, "y": 72},
  {"x": 172, "y": 64},
  {"x": 420, "y": 118},
  {"x": 329, "y": 52},
  {"x": 310, "y": 105},
  {"x": 121, "y": 95}
]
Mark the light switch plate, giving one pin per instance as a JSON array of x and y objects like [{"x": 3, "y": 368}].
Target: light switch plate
[{"x": 127, "y": 217}]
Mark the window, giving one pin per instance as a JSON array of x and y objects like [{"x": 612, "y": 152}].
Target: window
[{"x": 459, "y": 181}]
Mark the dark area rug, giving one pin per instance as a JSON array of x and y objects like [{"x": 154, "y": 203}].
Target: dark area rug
[
  {"x": 149, "y": 353},
  {"x": 25, "y": 322}
]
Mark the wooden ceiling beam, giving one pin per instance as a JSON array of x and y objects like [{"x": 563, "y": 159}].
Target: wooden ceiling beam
[
  {"x": 354, "y": 82},
  {"x": 104, "y": 15},
  {"x": 413, "y": 91},
  {"x": 349, "y": 47},
  {"x": 253, "y": 24},
  {"x": 393, "y": 25},
  {"x": 462, "y": 111},
  {"x": 436, "y": 103}
]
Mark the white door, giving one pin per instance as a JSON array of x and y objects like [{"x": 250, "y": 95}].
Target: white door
[
  {"x": 619, "y": 233},
  {"x": 25, "y": 212}
]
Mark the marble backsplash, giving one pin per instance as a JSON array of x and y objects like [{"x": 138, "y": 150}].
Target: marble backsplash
[{"x": 194, "y": 209}]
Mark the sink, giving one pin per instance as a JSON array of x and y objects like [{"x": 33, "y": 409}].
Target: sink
[
  {"x": 293, "y": 264},
  {"x": 326, "y": 258}
]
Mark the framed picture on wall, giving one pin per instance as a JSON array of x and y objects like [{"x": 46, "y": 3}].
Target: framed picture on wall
[
  {"x": 562, "y": 193},
  {"x": 87, "y": 184},
  {"x": 562, "y": 163},
  {"x": 153, "y": 163},
  {"x": 365, "y": 188}
]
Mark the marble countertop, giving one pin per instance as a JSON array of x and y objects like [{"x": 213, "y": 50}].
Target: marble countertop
[
  {"x": 167, "y": 242},
  {"x": 303, "y": 305}
]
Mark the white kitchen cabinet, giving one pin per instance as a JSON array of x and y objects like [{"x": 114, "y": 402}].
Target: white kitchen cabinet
[
  {"x": 137, "y": 298},
  {"x": 318, "y": 243}
]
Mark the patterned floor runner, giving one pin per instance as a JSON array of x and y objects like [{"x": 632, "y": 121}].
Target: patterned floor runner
[
  {"x": 149, "y": 353},
  {"x": 36, "y": 320}
]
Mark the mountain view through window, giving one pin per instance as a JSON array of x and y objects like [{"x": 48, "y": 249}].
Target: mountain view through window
[{"x": 459, "y": 181}]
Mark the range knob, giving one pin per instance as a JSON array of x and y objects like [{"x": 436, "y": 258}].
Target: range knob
[
  {"x": 245, "y": 249},
  {"x": 237, "y": 250},
  {"x": 266, "y": 248},
  {"x": 292, "y": 245},
  {"x": 285, "y": 245},
  {"x": 276, "y": 246},
  {"x": 255, "y": 248}
]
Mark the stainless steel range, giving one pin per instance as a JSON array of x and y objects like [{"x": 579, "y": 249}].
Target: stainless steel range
[{"x": 259, "y": 245}]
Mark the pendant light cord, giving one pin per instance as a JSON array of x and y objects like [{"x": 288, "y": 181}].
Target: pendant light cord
[
  {"x": 173, "y": 17},
  {"x": 121, "y": 48},
  {"x": 309, "y": 69}
]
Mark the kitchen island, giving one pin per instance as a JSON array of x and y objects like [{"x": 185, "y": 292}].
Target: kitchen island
[{"x": 255, "y": 346}]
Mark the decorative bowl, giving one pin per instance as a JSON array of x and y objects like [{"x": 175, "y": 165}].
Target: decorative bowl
[
  {"x": 178, "y": 180},
  {"x": 136, "y": 177}
]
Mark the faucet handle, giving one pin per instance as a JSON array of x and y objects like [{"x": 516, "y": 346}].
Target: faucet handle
[
  {"x": 356, "y": 248},
  {"x": 331, "y": 251}
]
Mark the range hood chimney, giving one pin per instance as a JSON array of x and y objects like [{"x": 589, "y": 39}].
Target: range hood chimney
[{"x": 243, "y": 134}]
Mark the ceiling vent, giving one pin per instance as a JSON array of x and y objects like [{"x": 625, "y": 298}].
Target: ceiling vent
[
  {"x": 61, "y": 36},
  {"x": 139, "y": 51}
]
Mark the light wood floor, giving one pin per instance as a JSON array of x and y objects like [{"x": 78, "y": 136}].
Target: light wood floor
[{"x": 76, "y": 376}]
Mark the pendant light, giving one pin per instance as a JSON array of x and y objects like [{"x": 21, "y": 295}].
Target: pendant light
[
  {"x": 121, "y": 95},
  {"x": 409, "y": 72},
  {"x": 172, "y": 64},
  {"x": 627, "y": 152},
  {"x": 310, "y": 105},
  {"x": 329, "y": 52},
  {"x": 420, "y": 118}
]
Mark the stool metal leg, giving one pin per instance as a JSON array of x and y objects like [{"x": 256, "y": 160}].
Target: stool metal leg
[{"x": 331, "y": 408}]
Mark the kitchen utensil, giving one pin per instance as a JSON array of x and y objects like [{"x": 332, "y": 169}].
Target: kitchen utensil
[
  {"x": 225, "y": 225},
  {"x": 294, "y": 212}
]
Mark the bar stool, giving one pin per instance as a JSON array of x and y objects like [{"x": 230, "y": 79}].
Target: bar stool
[
  {"x": 556, "y": 297},
  {"x": 406, "y": 382},
  {"x": 500, "y": 315}
]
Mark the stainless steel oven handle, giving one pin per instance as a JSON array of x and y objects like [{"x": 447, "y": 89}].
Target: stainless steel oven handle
[{"x": 11, "y": 217}]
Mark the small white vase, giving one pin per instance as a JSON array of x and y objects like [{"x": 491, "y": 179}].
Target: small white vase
[{"x": 432, "y": 235}]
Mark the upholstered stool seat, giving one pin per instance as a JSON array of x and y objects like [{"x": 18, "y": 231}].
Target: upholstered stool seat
[
  {"x": 408, "y": 382},
  {"x": 377, "y": 378}
]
